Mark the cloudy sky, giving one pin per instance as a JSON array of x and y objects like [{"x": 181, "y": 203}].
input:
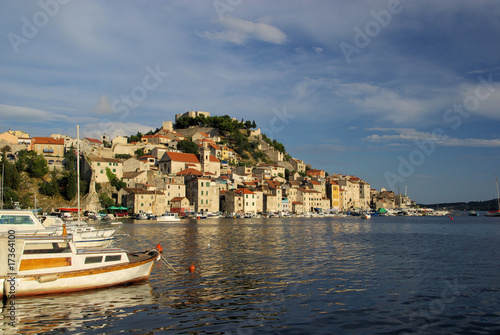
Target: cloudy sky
[{"x": 395, "y": 92}]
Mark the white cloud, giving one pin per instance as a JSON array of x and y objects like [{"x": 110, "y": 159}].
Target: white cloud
[
  {"x": 406, "y": 135},
  {"x": 113, "y": 129},
  {"x": 239, "y": 31},
  {"x": 102, "y": 107},
  {"x": 318, "y": 50}
]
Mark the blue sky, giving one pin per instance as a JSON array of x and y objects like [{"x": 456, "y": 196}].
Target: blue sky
[{"x": 395, "y": 92}]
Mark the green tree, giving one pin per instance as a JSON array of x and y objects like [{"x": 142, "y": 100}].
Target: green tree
[
  {"x": 134, "y": 138},
  {"x": 115, "y": 182},
  {"x": 69, "y": 185},
  {"x": 188, "y": 147},
  {"x": 37, "y": 167},
  {"x": 105, "y": 200},
  {"x": 125, "y": 156},
  {"x": 52, "y": 187},
  {"x": 70, "y": 158},
  {"x": 254, "y": 125},
  {"x": 139, "y": 152}
]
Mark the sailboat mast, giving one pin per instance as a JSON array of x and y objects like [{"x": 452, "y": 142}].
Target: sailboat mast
[
  {"x": 498, "y": 193},
  {"x": 78, "y": 168}
]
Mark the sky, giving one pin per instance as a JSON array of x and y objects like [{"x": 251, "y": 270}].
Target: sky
[{"x": 403, "y": 94}]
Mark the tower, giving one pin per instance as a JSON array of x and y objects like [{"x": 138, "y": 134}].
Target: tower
[{"x": 205, "y": 158}]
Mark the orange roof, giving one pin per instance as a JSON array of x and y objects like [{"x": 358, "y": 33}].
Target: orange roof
[
  {"x": 214, "y": 159},
  {"x": 214, "y": 146},
  {"x": 182, "y": 157},
  {"x": 93, "y": 140},
  {"x": 48, "y": 140},
  {"x": 177, "y": 199},
  {"x": 189, "y": 172},
  {"x": 315, "y": 182},
  {"x": 243, "y": 191},
  {"x": 146, "y": 157}
]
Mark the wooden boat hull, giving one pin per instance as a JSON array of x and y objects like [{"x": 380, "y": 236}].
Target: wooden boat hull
[{"x": 138, "y": 269}]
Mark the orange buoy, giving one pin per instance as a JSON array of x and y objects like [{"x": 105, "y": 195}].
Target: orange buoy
[
  {"x": 159, "y": 248},
  {"x": 192, "y": 268}
]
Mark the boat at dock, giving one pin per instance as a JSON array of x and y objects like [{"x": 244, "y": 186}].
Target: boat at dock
[
  {"x": 168, "y": 217},
  {"x": 38, "y": 264},
  {"x": 24, "y": 222}
]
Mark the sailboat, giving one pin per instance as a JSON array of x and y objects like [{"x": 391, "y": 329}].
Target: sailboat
[{"x": 497, "y": 211}]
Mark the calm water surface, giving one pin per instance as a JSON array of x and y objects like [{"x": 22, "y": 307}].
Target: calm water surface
[{"x": 387, "y": 275}]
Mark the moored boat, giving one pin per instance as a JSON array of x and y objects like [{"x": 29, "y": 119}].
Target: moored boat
[
  {"x": 168, "y": 217},
  {"x": 25, "y": 222},
  {"x": 53, "y": 264}
]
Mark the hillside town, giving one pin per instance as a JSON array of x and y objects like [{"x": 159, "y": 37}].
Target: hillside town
[{"x": 157, "y": 176}]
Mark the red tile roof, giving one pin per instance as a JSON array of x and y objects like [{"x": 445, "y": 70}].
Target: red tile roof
[
  {"x": 93, "y": 140},
  {"x": 189, "y": 172},
  {"x": 178, "y": 199},
  {"x": 244, "y": 191},
  {"x": 182, "y": 157},
  {"x": 48, "y": 140}
]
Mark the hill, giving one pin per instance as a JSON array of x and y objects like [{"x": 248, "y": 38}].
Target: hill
[{"x": 466, "y": 206}]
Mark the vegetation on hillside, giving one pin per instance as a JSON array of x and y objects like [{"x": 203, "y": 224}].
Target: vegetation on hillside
[
  {"x": 235, "y": 136},
  {"x": 31, "y": 167}
]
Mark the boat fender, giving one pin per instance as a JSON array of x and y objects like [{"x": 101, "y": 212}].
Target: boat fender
[{"x": 47, "y": 278}]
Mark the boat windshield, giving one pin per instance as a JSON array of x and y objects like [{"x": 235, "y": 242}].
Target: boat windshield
[{"x": 16, "y": 219}]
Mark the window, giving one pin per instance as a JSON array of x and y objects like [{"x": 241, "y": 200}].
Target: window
[
  {"x": 201, "y": 184},
  {"x": 201, "y": 192},
  {"x": 47, "y": 247},
  {"x": 16, "y": 219},
  {"x": 98, "y": 164},
  {"x": 93, "y": 259},
  {"x": 113, "y": 258}
]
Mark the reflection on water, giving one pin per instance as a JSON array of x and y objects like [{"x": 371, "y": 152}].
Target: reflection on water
[
  {"x": 73, "y": 311},
  {"x": 326, "y": 275}
]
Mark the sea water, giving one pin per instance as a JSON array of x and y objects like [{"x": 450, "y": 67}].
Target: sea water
[{"x": 385, "y": 275}]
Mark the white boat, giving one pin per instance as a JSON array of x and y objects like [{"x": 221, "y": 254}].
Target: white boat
[
  {"x": 496, "y": 212},
  {"x": 39, "y": 264},
  {"x": 366, "y": 216},
  {"x": 141, "y": 216},
  {"x": 168, "y": 217},
  {"x": 25, "y": 222}
]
